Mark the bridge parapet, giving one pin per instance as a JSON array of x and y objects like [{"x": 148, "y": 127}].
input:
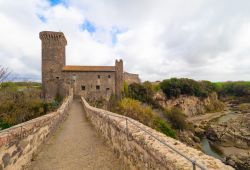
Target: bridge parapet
[
  {"x": 19, "y": 143},
  {"x": 143, "y": 147}
]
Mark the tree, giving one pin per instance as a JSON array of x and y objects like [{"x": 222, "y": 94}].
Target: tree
[{"x": 4, "y": 74}]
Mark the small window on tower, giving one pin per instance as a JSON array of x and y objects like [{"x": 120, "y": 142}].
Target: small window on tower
[
  {"x": 109, "y": 76},
  {"x": 107, "y": 89},
  {"x": 57, "y": 77},
  {"x": 83, "y": 87},
  {"x": 99, "y": 76},
  {"x": 97, "y": 87}
]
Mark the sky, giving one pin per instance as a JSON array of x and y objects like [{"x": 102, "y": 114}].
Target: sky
[{"x": 157, "y": 39}]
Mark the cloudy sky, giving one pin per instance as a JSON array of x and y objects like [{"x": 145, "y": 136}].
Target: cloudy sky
[{"x": 158, "y": 39}]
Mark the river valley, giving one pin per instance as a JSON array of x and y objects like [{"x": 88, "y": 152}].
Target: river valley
[{"x": 227, "y": 135}]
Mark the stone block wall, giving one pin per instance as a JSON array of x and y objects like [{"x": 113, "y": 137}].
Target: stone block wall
[
  {"x": 131, "y": 78},
  {"x": 20, "y": 142},
  {"x": 142, "y": 151}
]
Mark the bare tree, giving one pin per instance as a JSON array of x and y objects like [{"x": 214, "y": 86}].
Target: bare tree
[{"x": 4, "y": 74}]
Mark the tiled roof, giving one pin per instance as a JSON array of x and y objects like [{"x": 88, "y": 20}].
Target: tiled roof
[{"x": 89, "y": 68}]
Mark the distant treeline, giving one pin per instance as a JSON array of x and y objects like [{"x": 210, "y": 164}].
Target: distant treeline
[
  {"x": 175, "y": 87},
  {"x": 20, "y": 84},
  {"x": 238, "y": 88}
]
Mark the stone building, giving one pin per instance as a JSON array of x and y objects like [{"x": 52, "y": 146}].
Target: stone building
[{"x": 93, "y": 82}]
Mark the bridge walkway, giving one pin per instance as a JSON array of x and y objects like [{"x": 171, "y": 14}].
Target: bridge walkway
[{"x": 75, "y": 145}]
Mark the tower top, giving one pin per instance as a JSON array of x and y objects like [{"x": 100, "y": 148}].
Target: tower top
[{"x": 50, "y": 38}]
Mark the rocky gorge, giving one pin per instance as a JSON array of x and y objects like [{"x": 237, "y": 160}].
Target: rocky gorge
[{"x": 221, "y": 125}]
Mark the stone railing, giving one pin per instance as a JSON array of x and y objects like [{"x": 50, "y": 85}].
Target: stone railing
[
  {"x": 144, "y": 148},
  {"x": 20, "y": 142}
]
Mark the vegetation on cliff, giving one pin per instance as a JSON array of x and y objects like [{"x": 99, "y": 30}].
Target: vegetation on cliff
[
  {"x": 174, "y": 87},
  {"x": 177, "y": 118},
  {"x": 21, "y": 101},
  {"x": 143, "y": 92},
  {"x": 141, "y": 112}
]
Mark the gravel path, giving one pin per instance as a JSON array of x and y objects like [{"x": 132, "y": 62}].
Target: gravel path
[{"x": 75, "y": 145}]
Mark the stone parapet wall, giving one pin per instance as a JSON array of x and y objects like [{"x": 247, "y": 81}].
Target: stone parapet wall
[
  {"x": 142, "y": 151},
  {"x": 20, "y": 142}
]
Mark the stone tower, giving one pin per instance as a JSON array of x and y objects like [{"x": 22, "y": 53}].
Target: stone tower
[
  {"x": 53, "y": 60},
  {"x": 118, "y": 78}
]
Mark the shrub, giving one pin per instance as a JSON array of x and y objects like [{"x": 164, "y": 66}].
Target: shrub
[
  {"x": 134, "y": 109},
  {"x": 177, "y": 118},
  {"x": 163, "y": 127},
  {"x": 142, "y": 92},
  {"x": 174, "y": 87},
  {"x": 17, "y": 106},
  {"x": 144, "y": 114},
  {"x": 125, "y": 89}
]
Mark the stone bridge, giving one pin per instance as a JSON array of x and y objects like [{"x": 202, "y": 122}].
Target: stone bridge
[{"x": 78, "y": 136}]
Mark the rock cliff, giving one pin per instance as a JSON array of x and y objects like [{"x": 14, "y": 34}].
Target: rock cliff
[{"x": 191, "y": 105}]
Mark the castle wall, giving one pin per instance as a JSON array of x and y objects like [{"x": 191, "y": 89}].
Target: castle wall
[
  {"x": 131, "y": 78},
  {"x": 85, "y": 84}
]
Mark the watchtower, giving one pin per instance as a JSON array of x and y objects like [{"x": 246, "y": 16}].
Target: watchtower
[
  {"x": 53, "y": 60},
  {"x": 118, "y": 78}
]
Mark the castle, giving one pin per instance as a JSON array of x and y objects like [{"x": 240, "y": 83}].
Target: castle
[{"x": 92, "y": 82}]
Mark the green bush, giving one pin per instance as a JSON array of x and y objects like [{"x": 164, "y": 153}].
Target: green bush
[
  {"x": 125, "y": 89},
  {"x": 134, "y": 109},
  {"x": 142, "y": 92},
  {"x": 177, "y": 118},
  {"x": 174, "y": 87},
  {"x": 162, "y": 126},
  {"x": 144, "y": 114}
]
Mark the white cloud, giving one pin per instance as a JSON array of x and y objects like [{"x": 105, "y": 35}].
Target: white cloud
[{"x": 158, "y": 39}]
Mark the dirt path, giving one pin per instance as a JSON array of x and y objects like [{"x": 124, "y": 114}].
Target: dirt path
[
  {"x": 206, "y": 117},
  {"x": 75, "y": 145}
]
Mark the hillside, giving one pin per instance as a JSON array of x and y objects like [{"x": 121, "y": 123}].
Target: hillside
[{"x": 188, "y": 110}]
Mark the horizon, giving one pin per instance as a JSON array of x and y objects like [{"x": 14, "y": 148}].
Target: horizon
[{"x": 208, "y": 40}]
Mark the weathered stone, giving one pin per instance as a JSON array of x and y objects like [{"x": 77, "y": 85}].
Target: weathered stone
[
  {"x": 190, "y": 105},
  {"x": 23, "y": 143},
  {"x": 6, "y": 159},
  {"x": 196, "y": 139},
  {"x": 14, "y": 153}
]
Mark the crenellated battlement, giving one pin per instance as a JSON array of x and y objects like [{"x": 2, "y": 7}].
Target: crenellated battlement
[{"x": 50, "y": 38}]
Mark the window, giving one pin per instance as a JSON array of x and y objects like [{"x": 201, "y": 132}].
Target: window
[
  {"x": 97, "y": 87},
  {"x": 99, "y": 76},
  {"x": 57, "y": 77},
  {"x": 109, "y": 76},
  {"x": 107, "y": 89},
  {"x": 83, "y": 87}
]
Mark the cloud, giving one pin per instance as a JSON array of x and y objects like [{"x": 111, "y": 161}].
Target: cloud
[{"x": 196, "y": 39}]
